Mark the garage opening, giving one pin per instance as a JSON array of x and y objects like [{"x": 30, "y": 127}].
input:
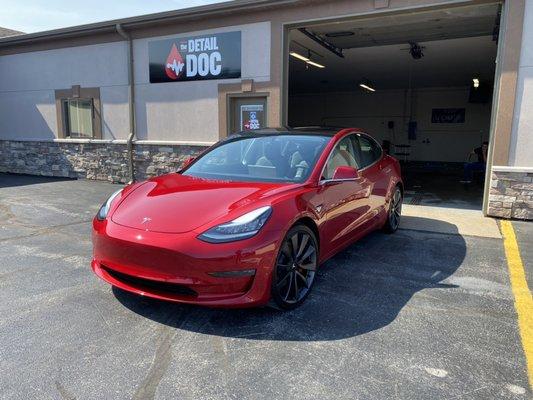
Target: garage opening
[{"x": 420, "y": 82}]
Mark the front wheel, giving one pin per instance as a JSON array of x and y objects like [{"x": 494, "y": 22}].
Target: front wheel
[
  {"x": 295, "y": 269},
  {"x": 395, "y": 212}
]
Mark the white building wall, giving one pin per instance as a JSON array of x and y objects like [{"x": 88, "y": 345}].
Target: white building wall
[
  {"x": 28, "y": 82},
  {"x": 180, "y": 112},
  {"x": 372, "y": 111},
  {"x": 521, "y": 151},
  {"x": 188, "y": 111}
]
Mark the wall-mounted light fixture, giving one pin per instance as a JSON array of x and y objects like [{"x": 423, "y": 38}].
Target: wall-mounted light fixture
[{"x": 475, "y": 82}]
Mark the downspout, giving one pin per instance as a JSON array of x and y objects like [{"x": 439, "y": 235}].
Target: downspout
[{"x": 131, "y": 100}]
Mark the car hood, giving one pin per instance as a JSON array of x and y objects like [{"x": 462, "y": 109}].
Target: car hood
[{"x": 176, "y": 204}]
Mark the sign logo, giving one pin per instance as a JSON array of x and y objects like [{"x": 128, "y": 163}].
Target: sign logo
[
  {"x": 174, "y": 67},
  {"x": 253, "y": 122},
  {"x": 215, "y": 56},
  {"x": 146, "y": 220}
]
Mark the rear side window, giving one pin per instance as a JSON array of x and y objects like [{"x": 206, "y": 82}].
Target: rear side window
[{"x": 368, "y": 150}]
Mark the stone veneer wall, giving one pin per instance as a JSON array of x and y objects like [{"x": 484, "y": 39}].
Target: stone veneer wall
[
  {"x": 91, "y": 160},
  {"x": 511, "y": 193}
]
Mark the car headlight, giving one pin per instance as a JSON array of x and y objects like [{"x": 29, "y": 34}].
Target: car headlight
[
  {"x": 240, "y": 228},
  {"x": 102, "y": 213}
]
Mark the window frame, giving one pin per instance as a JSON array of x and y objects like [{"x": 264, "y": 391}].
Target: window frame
[
  {"x": 62, "y": 96},
  {"x": 356, "y": 135},
  {"x": 66, "y": 117},
  {"x": 374, "y": 141},
  {"x": 322, "y": 181}
]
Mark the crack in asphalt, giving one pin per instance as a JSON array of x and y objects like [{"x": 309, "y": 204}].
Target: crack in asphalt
[
  {"x": 64, "y": 393},
  {"x": 161, "y": 361}
]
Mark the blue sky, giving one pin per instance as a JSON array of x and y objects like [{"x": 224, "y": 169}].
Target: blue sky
[{"x": 40, "y": 15}]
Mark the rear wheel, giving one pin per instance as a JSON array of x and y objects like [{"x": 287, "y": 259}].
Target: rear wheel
[
  {"x": 395, "y": 212},
  {"x": 295, "y": 269}
]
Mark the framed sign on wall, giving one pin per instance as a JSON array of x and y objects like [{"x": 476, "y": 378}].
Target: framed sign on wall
[
  {"x": 247, "y": 112},
  {"x": 252, "y": 116},
  {"x": 448, "y": 116},
  {"x": 215, "y": 56}
]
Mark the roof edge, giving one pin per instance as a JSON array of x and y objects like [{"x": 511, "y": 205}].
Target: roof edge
[{"x": 142, "y": 20}]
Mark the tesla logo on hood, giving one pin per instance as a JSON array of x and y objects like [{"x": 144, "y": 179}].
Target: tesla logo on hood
[
  {"x": 175, "y": 64},
  {"x": 146, "y": 220}
]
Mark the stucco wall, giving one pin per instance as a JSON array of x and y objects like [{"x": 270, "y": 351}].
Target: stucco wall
[
  {"x": 184, "y": 112},
  {"x": 521, "y": 149},
  {"x": 28, "y": 82},
  {"x": 188, "y": 111}
]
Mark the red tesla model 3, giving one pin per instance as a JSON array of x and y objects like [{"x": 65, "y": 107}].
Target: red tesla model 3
[{"x": 250, "y": 220}]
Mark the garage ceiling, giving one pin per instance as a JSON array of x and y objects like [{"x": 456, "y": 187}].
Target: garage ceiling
[
  {"x": 442, "y": 24},
  {"x": 458, "y": 44}
]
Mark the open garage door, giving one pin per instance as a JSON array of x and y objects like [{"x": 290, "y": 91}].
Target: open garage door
[{"x": 420, "y": 82}]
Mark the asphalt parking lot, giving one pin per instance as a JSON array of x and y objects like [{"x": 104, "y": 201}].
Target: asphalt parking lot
[{"x": 415, "y": 315}]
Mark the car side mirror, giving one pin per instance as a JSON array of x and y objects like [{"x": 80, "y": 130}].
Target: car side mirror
[{"x": 344, "y": 173}]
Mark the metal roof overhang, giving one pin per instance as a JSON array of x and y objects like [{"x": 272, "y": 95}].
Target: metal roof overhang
[{"x": 145, "y": 20}]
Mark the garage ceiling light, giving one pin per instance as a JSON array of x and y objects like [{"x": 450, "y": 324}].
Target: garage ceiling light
[
  {"x": 306, "y": 59},
  {"x": 314, "y": 64},
  {"x": 298, "y": 56},
  {"x": 365, "y": 84}
]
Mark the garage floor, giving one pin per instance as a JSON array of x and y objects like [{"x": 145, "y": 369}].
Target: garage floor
[
  {"x": 416, "y": 315},
  {"x": 441, "y": 187}
]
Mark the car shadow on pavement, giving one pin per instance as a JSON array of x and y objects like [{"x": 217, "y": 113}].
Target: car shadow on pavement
[
  {"x": 12, "y": 180},
  {"x": 360, "y": 290}
]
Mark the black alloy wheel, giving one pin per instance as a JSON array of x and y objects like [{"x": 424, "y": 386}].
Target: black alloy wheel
[
  {"x": 395, "y": 211},
  {"x": 295, "y": 269}
]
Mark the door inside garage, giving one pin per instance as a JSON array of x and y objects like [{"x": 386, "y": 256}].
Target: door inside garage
[{"x": 420, "y": 82}]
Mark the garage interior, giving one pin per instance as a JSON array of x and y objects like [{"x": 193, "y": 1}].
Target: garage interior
[{"x": 420, "y": 82}]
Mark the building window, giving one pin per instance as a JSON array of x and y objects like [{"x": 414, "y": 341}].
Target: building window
[{"x": 78, "y": 113}]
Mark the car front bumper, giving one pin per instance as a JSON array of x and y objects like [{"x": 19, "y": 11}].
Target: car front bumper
[{"x": 182, "y": 268}]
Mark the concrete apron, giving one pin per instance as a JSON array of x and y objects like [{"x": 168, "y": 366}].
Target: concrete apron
[{"x": 449, "y": 221}]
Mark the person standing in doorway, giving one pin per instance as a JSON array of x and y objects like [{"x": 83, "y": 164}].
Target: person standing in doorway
[{"x": 479, "y": 165}]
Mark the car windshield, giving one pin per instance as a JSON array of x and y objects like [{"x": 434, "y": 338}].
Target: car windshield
[{"x": 269, "y": 158}]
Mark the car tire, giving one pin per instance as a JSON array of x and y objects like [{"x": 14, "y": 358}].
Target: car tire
[
  {"x": 295, "y": 269},
  {"x": 394, "y": 212}
]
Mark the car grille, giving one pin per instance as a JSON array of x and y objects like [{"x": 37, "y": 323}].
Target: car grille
[{"x": 149, "y": 285}]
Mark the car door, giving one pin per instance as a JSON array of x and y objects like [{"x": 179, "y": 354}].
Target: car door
[
  {"x": 344, "y": 203},
  {"x": 374, "y": 171}
]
